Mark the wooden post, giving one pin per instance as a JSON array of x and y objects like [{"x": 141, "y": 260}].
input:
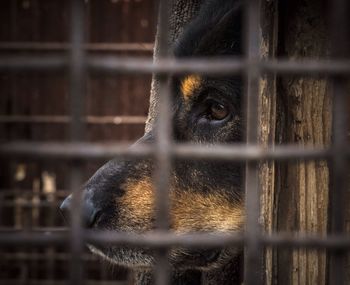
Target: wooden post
[
  {"x": 267, "y": 127},
  {"x": 295, "y": 194}
]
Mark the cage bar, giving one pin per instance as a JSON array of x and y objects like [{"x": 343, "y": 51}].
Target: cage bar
[
  {"x": 95, "y": 120},
  {"x": 77, "y": 151},
  {"x": 163, "y": 239},
  {"x": 253, "y": 249},
  {"x": 130, "y": 65},
  {"x": 99, "y": 151},
  {"x": 58, "y": 46},
  {"x": 339, "y": 32},
  {"x": 163, "y": 143},
  {"x": 76, "y": 133}
]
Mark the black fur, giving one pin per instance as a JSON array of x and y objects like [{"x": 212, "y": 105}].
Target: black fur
[{"x": 216, "y": 31}]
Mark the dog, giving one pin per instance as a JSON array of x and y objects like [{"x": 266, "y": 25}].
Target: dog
[{"x": 205, "y": 196}]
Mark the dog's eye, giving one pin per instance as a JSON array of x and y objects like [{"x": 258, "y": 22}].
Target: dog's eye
[
  {"x": 217, "y": 111},
  {"x": 212, "y": 111}
]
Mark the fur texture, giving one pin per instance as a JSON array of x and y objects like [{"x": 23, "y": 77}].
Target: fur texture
[{"x": 205, "y": 196}]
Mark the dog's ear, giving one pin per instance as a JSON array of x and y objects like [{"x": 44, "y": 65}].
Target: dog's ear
[{"x": 216, "y": 31}]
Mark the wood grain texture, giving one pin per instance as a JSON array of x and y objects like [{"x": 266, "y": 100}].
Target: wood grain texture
[
  {"x": 41, "y": 93},
  {"x": 267, "y": 129},
  {"x": 304, "y": 116}
]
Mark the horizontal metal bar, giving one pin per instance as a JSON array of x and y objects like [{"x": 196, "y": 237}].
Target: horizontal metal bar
[
  {"x": 30, "y": 204},
  {"x": 112, "y": 64},
  {"x": 153, "y": 240},
  {"x": 27, "y": 193},
  {"x": 306, "y": 67},
  {"x": 222, "y": 66},
  {"x": 285, "y": 240},
  {"x": 37, "y": 256},
  {"x": 34, "y": 238},
  {"x": 146, "y": 65},
  {"x": 33, "y": 281},
  {"x": 249, "y": 152},
  {"x": 33, "y": 62},
  {"x": 72, "y": 150},
  {"x": 96, "y": 151},
  {"x": 167, "y": 239},
  {"x": 164, "y": 239},
  {"x": 59, "y": 46},
  {"x": 42, "y": 119},
  {"x": 35, "y": 230}
]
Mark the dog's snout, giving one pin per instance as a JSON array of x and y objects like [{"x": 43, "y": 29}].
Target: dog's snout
[{"x": 89, "y": 212}]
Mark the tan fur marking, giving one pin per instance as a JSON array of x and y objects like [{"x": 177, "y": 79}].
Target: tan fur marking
[
  {"x": 189, "y": 85},
  {"x": 190, "y": 211},
  {"x": 206, "y": 212},
  {"x": 137, "y": 205}
]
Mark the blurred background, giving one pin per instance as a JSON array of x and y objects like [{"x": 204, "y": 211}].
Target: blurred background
[{"x": 35, "y": 107}]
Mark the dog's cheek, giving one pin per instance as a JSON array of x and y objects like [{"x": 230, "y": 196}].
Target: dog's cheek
[
  {"x": 190, "y": 211},
  {"x": 136, "y": 207},
  {"x": 206, "y": 212}
]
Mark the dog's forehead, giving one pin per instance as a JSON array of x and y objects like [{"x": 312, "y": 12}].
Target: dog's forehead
[{"x": 193, "y": 85}]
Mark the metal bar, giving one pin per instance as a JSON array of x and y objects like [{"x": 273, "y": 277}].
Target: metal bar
[
  {"x": 77, "y": 71},
  {"x": 223, "y": 66},
  {"x": 71, "y": 151},
  {"x": 59, "y": 46},
  {"x": 28, "y": 193},
  {"x": 163, "y": 143},
  {"x": 146, "y": 65},
  {"x": 33, "y": 281},
  {"x": 166, "y": 239},
  {"x": 339, "y": 183},
  {"x": 33, "y": 63},
  {"x": 35, "y": 229},
  {"x": 99, "y": 151},
  {"x": 110, "y": 64},
  {"x": 249, "y": 153},
  {"x": 43, "y": 119},
  {"x": 305, "y": 67},
  {"x": 163, "y": 157},
  {"x": 164, "y": 152},
  {"x": 9, "y": 256},
  {"x": 339, "y": 32},
  {"x": 253, "y": 246},
  {"x": 76, "y": 238},
  {"x": 29, "y": 204}
]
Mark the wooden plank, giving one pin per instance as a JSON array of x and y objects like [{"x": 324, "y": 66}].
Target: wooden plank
[
  {"x": 40, "y": 21},
  {"x": 304, "y": 118},
  {"x": 267, "y": 129}
]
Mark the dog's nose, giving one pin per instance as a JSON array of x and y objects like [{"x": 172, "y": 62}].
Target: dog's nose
[{"x": 89, "y": 211}]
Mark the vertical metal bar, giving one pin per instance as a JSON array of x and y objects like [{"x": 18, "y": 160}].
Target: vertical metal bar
[
  {"x": 339, "y": 34},
  {"x": 163, "y": 143},
  {"x": 77, "y": 130},
  {"x": 77, "y": 71},
  {"x": 252, "y": 259}
]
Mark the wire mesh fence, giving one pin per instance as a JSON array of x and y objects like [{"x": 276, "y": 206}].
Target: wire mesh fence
[{"x": 76, "y": 150}]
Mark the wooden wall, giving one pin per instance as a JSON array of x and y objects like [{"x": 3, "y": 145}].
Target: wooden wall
[{"x": 34, "y": 107}]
